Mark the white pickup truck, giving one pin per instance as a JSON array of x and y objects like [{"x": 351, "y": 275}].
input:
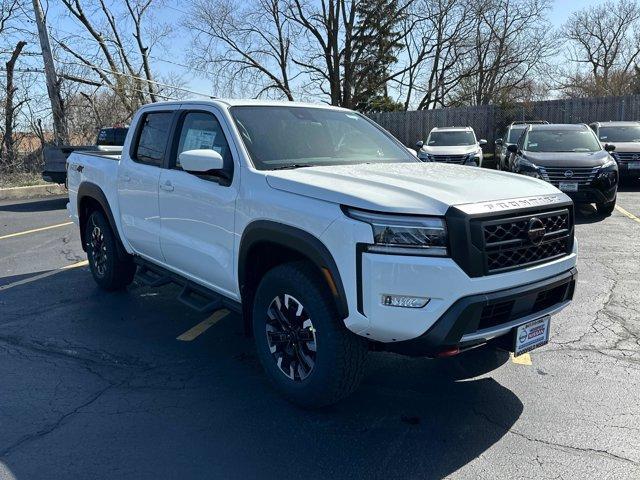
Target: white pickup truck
[{"x": 326, "y": 234}]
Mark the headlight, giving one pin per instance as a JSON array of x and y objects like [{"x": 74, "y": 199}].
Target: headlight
[
  {"x": 608, "y": 173},
  {"x": 404, "y": 234},
  {"x": 526, "y": 167},
  {"x": 425, "y": 157}
]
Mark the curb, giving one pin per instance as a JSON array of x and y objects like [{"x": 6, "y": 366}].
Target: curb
[{"x": 36, "y": 191}]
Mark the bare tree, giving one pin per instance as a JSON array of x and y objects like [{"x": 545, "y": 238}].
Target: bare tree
[
  {"x": 128, "y": 71},
  {"x": 10, "y": 105},
  {"x": 246, "y": 41},
  {"x": 510, "y": 44},
  {"x": 436, "y": 40},
  {"x": 604, "y": 44}
]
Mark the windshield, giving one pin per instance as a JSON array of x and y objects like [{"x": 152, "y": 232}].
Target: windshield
[
  {"x": 280, "y": 137},
  {"x": 620, "y": 134},
  {"x": 514, "y": 135},
  {"x": 451, "y": 139},
  {"x": 561, "y": 141}
]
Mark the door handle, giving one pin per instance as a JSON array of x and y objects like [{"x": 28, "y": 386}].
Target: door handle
[
  {"x": 126, "y": 178},
  {"x": 167, "y": 186}
]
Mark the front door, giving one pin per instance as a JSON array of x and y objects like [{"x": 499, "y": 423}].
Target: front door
[{"x": 197, "y": 211}]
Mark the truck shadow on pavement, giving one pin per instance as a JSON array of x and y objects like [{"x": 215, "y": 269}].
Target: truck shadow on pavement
[
  {"x": 45, "y": 205},
  {"x": 96, "y": 383}
]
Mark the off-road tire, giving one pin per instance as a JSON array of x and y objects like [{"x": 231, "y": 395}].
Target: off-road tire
[
  {"x": 109, "y": 269},
  {"x": 340, "y": 355}
]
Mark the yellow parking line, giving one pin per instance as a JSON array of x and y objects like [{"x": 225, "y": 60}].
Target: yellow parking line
[
  {"x": 524, "y": 359},
  {"x": 43, "y": 275},
  {"x": 203, "y": 326},
  {"x": 627, "y": 214},
  {"x": 11, "y": 235}
]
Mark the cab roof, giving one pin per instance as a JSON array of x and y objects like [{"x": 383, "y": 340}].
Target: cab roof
[{"x": 225, "y": 103}]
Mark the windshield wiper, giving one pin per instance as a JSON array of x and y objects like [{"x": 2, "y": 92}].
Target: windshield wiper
[{"x": 292, "y": 166}]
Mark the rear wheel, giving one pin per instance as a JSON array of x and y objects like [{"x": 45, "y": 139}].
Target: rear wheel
[
  {"x": 109, "y": 270},
  {"x": 302, "y": 344},
  {"x": 606, "y": 209}
]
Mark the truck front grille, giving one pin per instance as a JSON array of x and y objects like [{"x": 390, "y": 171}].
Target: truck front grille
[
  {"x": 626, "y": 157},
  {"x": 579, "y": 175},
  {"x": 510, "y": 243},
  {"x": 450, "y": 158},
  {"x": 503, "y": 311}
]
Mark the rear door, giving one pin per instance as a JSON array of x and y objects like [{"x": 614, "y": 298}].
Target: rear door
[
  {"x": 197, "y": 212},
  {"x": 138, "y": 178}
]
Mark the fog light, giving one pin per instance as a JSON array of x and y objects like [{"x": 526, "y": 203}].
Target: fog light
[{"x": 404, "y": 301}]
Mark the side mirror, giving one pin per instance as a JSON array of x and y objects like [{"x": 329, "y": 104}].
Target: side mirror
[
  {"x": 482, "y": 142},
  {"x": 499, "y": 142},
  {"x": 512, "y": 148},
  {"x": 419, "y": 144},
  {"x": 609, "y": 148},
  {"x": 200, "y": 161}
]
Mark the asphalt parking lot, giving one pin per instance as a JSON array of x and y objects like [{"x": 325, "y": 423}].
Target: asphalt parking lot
[{"x": 97, "y": 385}]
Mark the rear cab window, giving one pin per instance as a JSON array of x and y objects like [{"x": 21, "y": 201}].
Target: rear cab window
[{"x": 152, "y": 135}]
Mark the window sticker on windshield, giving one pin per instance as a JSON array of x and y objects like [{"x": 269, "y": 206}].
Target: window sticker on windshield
[
  {"x": 534, "y": 145},
  {"x": 352, "y": 116}
]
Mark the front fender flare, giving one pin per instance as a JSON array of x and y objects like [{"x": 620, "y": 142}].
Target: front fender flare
[{"x": 298, "y": 240}]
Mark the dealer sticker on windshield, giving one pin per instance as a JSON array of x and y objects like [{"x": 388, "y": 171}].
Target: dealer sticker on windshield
[{"x": 532, "y": 335}]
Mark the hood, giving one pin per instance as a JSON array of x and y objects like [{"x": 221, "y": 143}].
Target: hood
[
  {"x": 627, "y": 147},
  {"x": 423, "y": 188},
  {"x": 451, "y": 150},
  {"x": 567, "y": 159}
]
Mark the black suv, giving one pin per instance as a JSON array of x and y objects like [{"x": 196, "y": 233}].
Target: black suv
[
  {"x": 571, "y": 158},
  {"x": 508, "y": 137}
]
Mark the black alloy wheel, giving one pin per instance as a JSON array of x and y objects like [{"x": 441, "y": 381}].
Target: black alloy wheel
[{"x": 291, "y": 337}]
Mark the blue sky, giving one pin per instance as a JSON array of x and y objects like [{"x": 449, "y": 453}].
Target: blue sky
[{"x": 178, "y": 44}]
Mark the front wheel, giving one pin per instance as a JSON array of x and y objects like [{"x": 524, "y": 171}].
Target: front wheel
[
  {"x": 606, "y": 209},
  {"x": 109, "y": 270},
  {"x": 303, "y": 345}
]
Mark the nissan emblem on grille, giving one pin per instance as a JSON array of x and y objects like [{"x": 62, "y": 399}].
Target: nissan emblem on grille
[
  {"x": 536, "y": 230},
  {"x": 568, "y": 174}
]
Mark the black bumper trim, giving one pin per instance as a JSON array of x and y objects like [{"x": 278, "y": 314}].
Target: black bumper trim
[{"x": 463, "y": 317}]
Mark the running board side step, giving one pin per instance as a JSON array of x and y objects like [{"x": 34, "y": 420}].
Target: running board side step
[
  {"x": 151, "y": 278},
  {"x": 194, "y": 296},
  {"x": 200, "y": 300}
]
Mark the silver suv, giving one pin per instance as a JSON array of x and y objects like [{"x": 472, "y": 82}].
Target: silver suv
[{"x": 452, "y": 145}]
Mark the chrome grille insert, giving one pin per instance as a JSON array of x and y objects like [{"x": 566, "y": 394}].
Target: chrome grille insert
[{"x": 579, "y": 175}]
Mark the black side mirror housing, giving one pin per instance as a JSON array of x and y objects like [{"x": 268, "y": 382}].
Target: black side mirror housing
[
  {"x": 419, "y": 144},
  {"x": 512, "y": 148},
  {"x": 609, "y": 148},
  {"x": 499, "y": 142}
]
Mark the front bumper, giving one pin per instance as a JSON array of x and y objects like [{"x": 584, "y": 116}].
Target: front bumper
[
  {"x": 590, "y": 194},
  {"x": 625, "y": 172},
  {"x": 476, "y": 319}
]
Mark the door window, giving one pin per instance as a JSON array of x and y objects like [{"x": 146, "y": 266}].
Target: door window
[
  {"x": 202, "y": 131},
  {"x": 152, "y": 138}
]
